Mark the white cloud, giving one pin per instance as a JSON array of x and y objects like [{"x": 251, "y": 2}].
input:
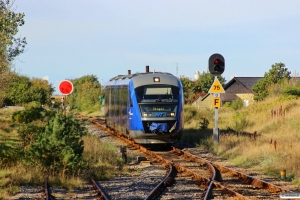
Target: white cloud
[{"x": 46, "y": 78}]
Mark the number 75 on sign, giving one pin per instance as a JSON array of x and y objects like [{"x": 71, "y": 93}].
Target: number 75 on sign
[{"x": 216, "y": 87}]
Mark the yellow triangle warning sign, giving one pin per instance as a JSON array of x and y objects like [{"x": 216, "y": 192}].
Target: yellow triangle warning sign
[{"x": 216, "y": 87}]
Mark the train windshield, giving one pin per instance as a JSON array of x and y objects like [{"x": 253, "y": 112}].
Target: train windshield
[{"x": 157, "y": 93}]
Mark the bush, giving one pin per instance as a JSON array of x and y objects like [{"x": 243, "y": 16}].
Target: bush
[
  {"x": 203, "y": 124},
  {"x": 237, "y": 104},
  {"x": 34, "y": 113},
  {"x": 240, "y": 122},
  {"x": 56, "y": 147},
  {"x": 289, "y": 90}
]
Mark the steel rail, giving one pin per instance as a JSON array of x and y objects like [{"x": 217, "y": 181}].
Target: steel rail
[
  {"x": 167, "y": 181},
  {"x": 210, "y": 183},
  {"x": 209, "y": 166},
  {"x": 99, "y": 191},
  {"x": 250, "y": 180},
  {"x": 46, "y": 190},
  {"x": 246, "y": 179}
]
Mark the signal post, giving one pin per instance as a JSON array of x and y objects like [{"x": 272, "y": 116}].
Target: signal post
[
  {"x": 216, "y": 63},
  {"x": 65, "y": 87}
]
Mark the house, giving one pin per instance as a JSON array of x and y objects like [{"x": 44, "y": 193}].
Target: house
[
  {"x": 237, "y": 87},
  {"x": 240, "y": 87}
]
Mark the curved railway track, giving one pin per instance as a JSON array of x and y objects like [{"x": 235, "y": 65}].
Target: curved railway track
[
  {"x": 214, "y": 181},
  {"x": 186, "y": 176}
]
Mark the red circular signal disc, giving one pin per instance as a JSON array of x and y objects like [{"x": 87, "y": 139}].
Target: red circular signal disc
[
  {"x": 66, "y": 87},
  {"x": 216, "y": 61}
]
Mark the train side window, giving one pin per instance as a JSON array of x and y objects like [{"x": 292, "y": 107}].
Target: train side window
[{"x": 130, "y": 101}]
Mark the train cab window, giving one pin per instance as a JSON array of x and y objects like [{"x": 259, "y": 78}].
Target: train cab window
[{"x": 157, "y": 93}]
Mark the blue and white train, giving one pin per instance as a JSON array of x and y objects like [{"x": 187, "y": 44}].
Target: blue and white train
[{"x": 145, "y": 107}]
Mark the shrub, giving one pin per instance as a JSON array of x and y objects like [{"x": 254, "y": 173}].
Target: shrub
[
  {"x": 55, "y": 145},
  {"x": 240, "y": 122},
  {"x": 203, "y": 124},
  {"x": 31, "y": 114},
  {"x": 237, "y": 104},
  {"x": 289, "y": 90}
]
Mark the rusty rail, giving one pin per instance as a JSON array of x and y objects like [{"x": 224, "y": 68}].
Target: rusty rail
[
  {"x": 167, "y": 181},
  {"x": 245, "y": 179},
  {"x": 101, "y": 194},
  {"x": 46, "y": 190},
  {"x": 210, "y": 183}
]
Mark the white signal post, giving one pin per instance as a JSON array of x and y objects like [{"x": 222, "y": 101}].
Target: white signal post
[{"x": 216, "y": 89}]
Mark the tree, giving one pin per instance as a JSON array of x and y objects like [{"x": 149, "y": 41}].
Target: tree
[
  {"x": 55, "y": 143},
  {"x": 205, "y": 81},
  {"x": 83, "y": 99},
  {"x": 276, "y": 75},
  {"x": 188, "y": 88},
  {"x": 41, "y": 91},
  {"x": 19, "y": 91},
  {"x": 192, "y": 89},
  {"x": 24, "y": 90},
  {"x": 10, "y": 47}
]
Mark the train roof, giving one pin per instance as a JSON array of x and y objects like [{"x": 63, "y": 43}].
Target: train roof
[
  {"x": 130, "y": 76},
  {"x": 146, "y": 78},
  {"x": 140, "y": 79}
]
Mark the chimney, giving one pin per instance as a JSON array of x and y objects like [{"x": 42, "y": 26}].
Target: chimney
[
  {"x": 147, "y": 69},
  {"x": 129, "y": 72}
]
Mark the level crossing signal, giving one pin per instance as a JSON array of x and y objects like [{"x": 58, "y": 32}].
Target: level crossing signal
[{"x": 216, "y": 64}]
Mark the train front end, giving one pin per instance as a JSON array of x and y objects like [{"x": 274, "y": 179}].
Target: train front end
[{"x": 156, "y": 109}]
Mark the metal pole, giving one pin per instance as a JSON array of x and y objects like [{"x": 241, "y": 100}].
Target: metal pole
[{"x": 216, "y": 130}]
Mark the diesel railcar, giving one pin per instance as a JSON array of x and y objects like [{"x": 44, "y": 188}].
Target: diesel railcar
[{"x": 145, "y": 107}]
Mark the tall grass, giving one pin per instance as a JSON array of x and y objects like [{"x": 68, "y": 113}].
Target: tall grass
[
  {"x": 268, "y": 136},
  {"x": 102, "y": 158}
]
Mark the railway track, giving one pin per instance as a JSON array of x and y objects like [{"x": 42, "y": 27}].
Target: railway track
[
  {"x": 91, "y": 191},
  {"x": 174, "y": 174},
  {"x": 213, "y": 180}
]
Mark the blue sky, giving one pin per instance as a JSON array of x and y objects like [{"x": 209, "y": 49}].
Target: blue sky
[{"x": 72, "y": 38}]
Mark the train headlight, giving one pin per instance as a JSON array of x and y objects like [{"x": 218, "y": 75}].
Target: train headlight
[
  {"x": 172, "y": 114},
  {"x": 145, "y": 114},
  {"x": 156, "y": 79}
]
